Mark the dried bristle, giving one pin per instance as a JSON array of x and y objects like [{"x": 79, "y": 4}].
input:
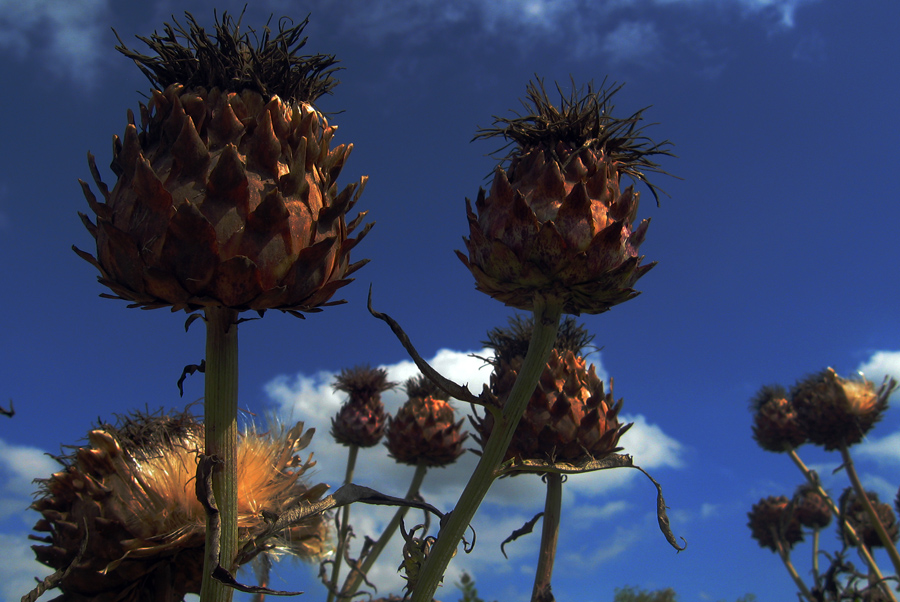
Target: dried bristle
[
  {"x": 152, "y": 430},
  {"x": 767, "y": 394},
  {"x": 582, "y": 120},
  {"x": 229, "y": 61},
  {"x": 421, "y": 387},
  {"x": 512, "y": 341},
  {"x": 363, "y": 381}
]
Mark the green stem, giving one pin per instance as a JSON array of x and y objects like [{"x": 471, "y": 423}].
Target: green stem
[
  {"x": 549, "y": 537},
  {"x": 546, "y": 327},
  {"x": 813, "y": 479},
  {"x": 355, "y": 578},
  {"x": 870, "y": 509},
  {"x": 345, "y": 525},
  {"x": 220, "y": 423}
]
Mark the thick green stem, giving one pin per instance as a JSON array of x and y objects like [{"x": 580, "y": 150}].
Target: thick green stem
[
  {"x": 848, "y": 528},
  {"x": 355, "y": 578},
  {"x": 546, "y": 327},
  {"x": 344, "y": 527},
  {"x": 549, "y": 536},
  {"x": 220, "y": 423},
  {"x": 870, "y": 509}
]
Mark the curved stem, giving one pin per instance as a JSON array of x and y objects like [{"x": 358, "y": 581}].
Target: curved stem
[
  {"x": 220, "y": 424},
  {"x": 355, "y": 578},
  {"x": 344, "y": 526},
  {"x": 786, "y": 559},
  {"x": 546, "y": 327},
  {"x": 549, "y": 537},
  {"x": 870, "y": 509},
  {"x": 813, "y": 479}
]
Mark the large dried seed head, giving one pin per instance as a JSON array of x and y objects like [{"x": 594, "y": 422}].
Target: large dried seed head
[
  {"x": 227, "y": 188},
  {"x": 810, "y": 507},
  {"x": 130, "y": 491},
  {"x": 836, "y": 412},
  {"x": 854, "y": 512},
  {"x": 772, "y": 522},
  {"x": 570, "y": 417},
  {"x": 556, "y": 223},
  {"x": 361, "y": 420},
  {"x": 424, "y": 429},
  {"x": 775, "y": 424}
]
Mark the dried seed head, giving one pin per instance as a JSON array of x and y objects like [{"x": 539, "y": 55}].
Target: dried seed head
[
  {"x": 810, "y": 508},
  {"x": 836, "y": 412},
  {"x": 556, "y": 224},
  {"x": 424, "y": 429},
  {"x": 775, "y": 424},
  {"x": 854, "y": 512},
  {"x": 361, "y": 420},
  {"x": 772, "y": 522},
  {"x": 132, "y": 487}
]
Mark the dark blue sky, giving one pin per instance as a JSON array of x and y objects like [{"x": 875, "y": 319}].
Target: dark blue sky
[{"x": 776, "y": 249}]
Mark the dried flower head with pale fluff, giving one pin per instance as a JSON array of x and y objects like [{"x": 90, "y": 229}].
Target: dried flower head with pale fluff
[{"x": 130, "y": 490}]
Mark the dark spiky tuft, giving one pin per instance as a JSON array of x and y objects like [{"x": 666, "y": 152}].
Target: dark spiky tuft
[
  {"x": 512, "y": 341},
  {"x": 421, "y": 386},
  {"x": 230, "y": 61},
  {"x": 582, "y": 120}
]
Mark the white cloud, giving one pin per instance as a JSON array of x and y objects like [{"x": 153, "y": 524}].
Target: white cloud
[
  {"x": 19, "y": 466},
  {"x": 19, "y": 568},
  {"x": 66, "y": 33},
  {"x": 881, "y": 364},
  {"x": 509, "y": 504},
  {"x": 884, "y": 449}
]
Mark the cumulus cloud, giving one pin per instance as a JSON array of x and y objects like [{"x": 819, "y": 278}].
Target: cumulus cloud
[
  {"x": 66, "y": 33},
  {"x": 881, "y": 364},
  {"x": 19, "y": 466},
  {"x": 510, "y": 503},
  {"x": 19, "y": 568}
]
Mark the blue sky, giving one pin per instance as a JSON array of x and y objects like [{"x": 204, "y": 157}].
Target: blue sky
[{"x": 776, "y": 256}]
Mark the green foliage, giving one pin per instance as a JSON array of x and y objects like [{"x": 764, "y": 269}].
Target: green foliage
[
  {"x": 467, "y": 586},
  {"x": 631, "y": 594}
]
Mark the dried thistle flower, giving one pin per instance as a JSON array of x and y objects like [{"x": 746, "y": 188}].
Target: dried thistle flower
[
  {"x": 772, "y": 520},
  {"x": 854, "y": 512},
  {"x": 775, "y": 424},
  {"x": 361, "y": 420},
  {"x": 130, "y": 490},
  {"x": 570, "y": 417},
  {"x": 556, "y": 223},
  {"x": 227, "y": 195},
  {"x": 836, "y": 412},
  {"x": 424, "y": 429}
]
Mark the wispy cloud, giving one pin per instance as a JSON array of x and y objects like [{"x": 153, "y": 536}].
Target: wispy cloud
[
  {"x": 632, "y": 42},
  {"x": 884, "y": 449},
  {"x": 64, "y": 33},
  {"x": 19, "y": 466}
]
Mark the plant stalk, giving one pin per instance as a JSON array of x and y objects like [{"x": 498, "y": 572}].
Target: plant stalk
[
  {"x": 355, "y": 578},
  {"x": 848, "y": 528},
  {"x": 870, "y": 509},
  {"x": 220, "y": 424},
  {"x": 546, "y": 327},
  {"x": 344, "y": 526},
  {"x": 549, "y": 536},
  {"x": 786, "y": 559}
]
